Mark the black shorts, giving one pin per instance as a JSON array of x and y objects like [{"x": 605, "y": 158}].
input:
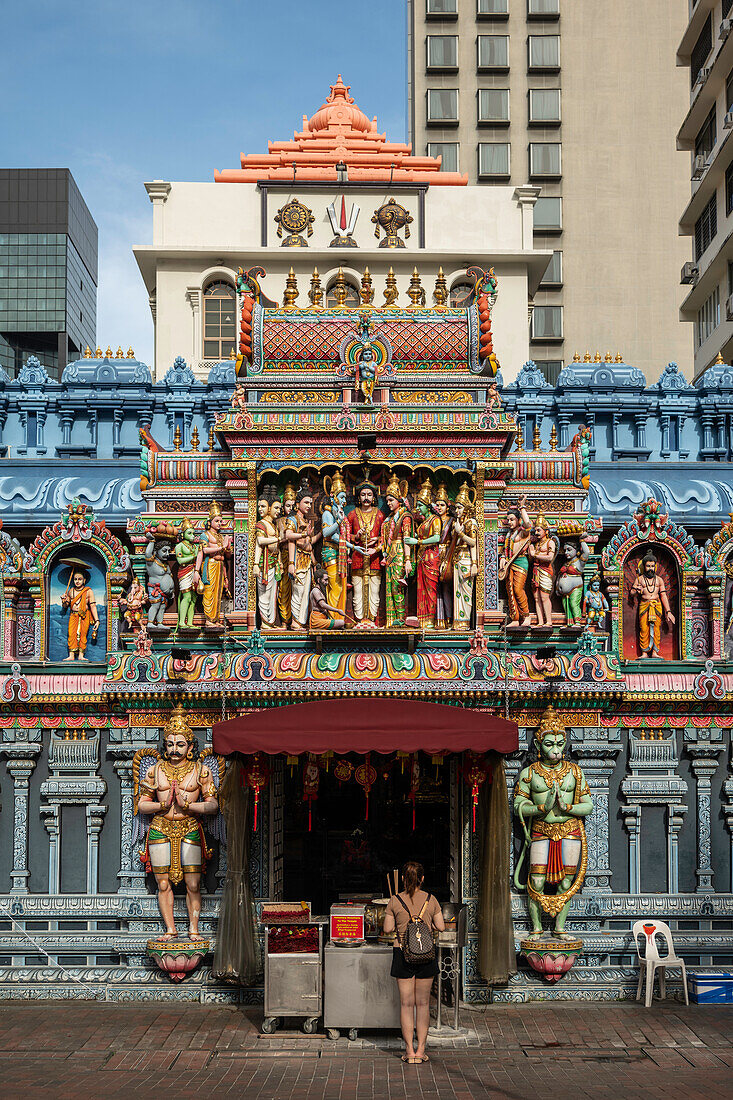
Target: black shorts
[{"x": 402, "y": 969}]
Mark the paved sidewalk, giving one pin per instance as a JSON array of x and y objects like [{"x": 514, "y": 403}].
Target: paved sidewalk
[{"x": 556, "y": 1051}]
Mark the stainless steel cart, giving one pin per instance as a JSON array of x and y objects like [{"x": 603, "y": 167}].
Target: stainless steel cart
[
  {"x": 358, "y": 989},
  {"x": 293, "y": 983}
]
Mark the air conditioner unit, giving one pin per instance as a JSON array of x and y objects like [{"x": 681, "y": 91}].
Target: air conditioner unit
[
  {"x": 703, "y": 75},
  {"x": 729, "y": 309},
  {"x": 728, "y": 121},
  {"x": 699, "y": 165},
  {"x": 725, "y": 28},
  {"x": 688, "y": 275}
]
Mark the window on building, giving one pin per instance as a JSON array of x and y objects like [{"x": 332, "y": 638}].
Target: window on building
[
  {"x": 461, "y": 295},
  {"x": 493, "y": 105},
  {"x": 553, "y": 272},
  {"x": 543, "y": 8},
  {"x": 707, "y": 136},
  {"x": 708, "y": 318},
  {"x": 706, "y": 227},
  {"x": 220, "y": 320},
  {"x": 550, "y": 368},
  {"x": 442, "y": 105},
  {"x": 727, "y": 5},
  {"x": 729, "y": 91},
  {"x": 447, "y": 151},
  {"x": 442, "y": 51},
  {"x": 544, "y": 51},
  {"x": 441, "y": 7},
  {"x": 31, "y": 430},
  {"x": 730, "y": 278},
  {"x": 547, "y": 214},
  {"x": 701, "y": 49},
  {"x": 544, "y": 159},
  {"x": 493, "y": 51},
  {"x": 352, "y": 296},
  {"x": 493, "y": 159},
  {"x": 492, "y": 7},
  {"x": 729, "y": 189},
  {"x": 544, "y": 105},
  {"x": 546, "y": 323}
]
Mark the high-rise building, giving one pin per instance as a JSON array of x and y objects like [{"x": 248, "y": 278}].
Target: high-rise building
[
  {"x": 579, "y": 99},
  {"x": 706, "y": 50},
  {"x": 48, "y": 269}
]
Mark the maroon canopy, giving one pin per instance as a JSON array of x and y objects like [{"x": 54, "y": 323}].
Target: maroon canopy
[{"x": 364, "y": 725}]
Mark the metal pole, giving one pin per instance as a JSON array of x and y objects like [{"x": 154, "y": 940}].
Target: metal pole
[{"x": 438, "y": 1022}]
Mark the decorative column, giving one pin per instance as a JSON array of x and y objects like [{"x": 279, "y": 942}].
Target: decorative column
[
  {"x": 193, "y": 297},
  {"x": 95, "y": 821},
  {"x": 73, "y": 759},
  {"x": 632, "y": 822},
  {"x": 652, "y": 780},
  {"x": 596, "y": 750},
  {"x": 131, "y": 875},
  {"x": 22, "y": 757},
  {"x": 705, "y": 747},
  {"x": 243, "y": 492},
  {"x": 52, "y": 823}
]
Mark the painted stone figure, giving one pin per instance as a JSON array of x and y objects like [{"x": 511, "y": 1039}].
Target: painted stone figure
[
  {"x": 323, "y": 615},
  {"x": 367, "y": 372},
  {"x": 267, "y": 561},
  {"x": 651, "y": 591},
  {"x": 81, "y": 604},
  {"x": 396, "y": 542},
  {"x": 178, "y": 790},
  {"x": 364, "y": 526},
  {"x": 551, "y": 800},
  {"x": 334, "y": 551},
  {"x": 465, "y": 557},
  {"x": 569, "y": 583},
  {"x": 284, "y": 589},
  {"x": 446, "y": 548},
  {"x": 542, "y": 551},
  {"x": 428, "y": 555},
  {"x": 160, "y": 575},
  {"x": 211, "y": 565},
  {"x": 299, "y": 533},
  {"x": 133, "y": 604},
  {"x": 186, "y": 552},
  {"x": 514, "y": 563},
  {"x": 595, "y": 605}
]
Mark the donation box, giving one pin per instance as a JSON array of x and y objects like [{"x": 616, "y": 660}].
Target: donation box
[{"x": 347, "y": 925}]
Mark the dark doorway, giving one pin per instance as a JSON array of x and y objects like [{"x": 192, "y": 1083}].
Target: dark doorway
[{"x": 345, "y": 854}]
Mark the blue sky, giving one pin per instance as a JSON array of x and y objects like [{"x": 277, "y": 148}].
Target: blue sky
[{"x": 128, "y": 91}]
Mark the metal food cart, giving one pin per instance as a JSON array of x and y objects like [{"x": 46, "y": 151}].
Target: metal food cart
[
  {"x": 293, "y": 967},
  {"x": 358, "y": 989}
]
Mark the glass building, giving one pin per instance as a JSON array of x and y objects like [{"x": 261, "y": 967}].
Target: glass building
[{"x": 48, "y": 269}]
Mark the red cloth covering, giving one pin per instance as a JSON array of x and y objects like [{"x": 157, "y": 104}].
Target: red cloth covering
[{"x": 365, "y": 725}]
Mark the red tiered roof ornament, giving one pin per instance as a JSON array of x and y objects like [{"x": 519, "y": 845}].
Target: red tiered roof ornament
[{"x": 340, "y": 133}]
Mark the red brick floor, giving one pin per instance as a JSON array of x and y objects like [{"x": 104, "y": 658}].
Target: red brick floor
[{"x": 556, "y": 1051}]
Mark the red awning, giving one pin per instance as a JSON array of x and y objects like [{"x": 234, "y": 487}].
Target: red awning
[{"x": 364, "y": 725}]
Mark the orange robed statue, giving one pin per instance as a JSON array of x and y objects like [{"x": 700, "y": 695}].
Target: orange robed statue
[{"x": 82, "y": 607}]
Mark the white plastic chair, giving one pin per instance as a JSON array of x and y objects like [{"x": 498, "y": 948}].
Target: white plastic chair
[{"x": 651, "y": 960}]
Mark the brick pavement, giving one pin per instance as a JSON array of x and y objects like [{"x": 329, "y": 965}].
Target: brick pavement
[{"x": 560, "y": 1049}]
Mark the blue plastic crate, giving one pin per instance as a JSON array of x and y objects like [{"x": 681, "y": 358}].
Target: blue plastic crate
[{"x": 713, "y": 988}]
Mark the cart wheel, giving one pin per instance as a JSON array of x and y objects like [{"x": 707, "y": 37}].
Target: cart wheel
[
  {"x": 309, "y": 1025},
  {"x": 353, "y": 1034},
  {"x": 333, "y": 1034},
  {"x": 268, "y": 1025}
]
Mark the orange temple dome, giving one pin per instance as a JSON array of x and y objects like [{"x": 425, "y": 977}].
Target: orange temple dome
[{"x": 340, "y": 133}]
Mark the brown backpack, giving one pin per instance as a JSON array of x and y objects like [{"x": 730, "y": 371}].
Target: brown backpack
[{"x": 418, "y": 945}]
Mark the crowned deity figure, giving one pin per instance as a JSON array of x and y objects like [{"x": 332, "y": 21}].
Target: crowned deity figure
[
  {"x": 81, "y": 604},
  {"x": 300, "y": 536},
  {"x": 364, "y": 525},
  {"x": 651, "y": 591},
  {"x": 211, "y": 565},
  {"x": 267, "y": 564},
  {"x": 514, "y": 563},
  {"x": 427, "y": 539},
  {"x": 542, "y": 551},
  {"x": 334, "y": 545},
  {"x": 465, "y": 557},
  {"x": 595, "y": 605},
  {"x": 551, "y": 800},
  {"x": 133, "y": 604},
  {"x": 178, "y": 789},
  {"x": 367, "y": 371},
  {"x": 186, "y": 552},
  {"x": 284, "y": 588},
  {"x": 446, "y": 549},
  {"x": 396, "y": 542},
  {"x": 569, "y": 584}
]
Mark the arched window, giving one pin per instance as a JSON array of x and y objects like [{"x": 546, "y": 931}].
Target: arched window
[
  {"x": 461, "y": 295},
  {"x": 351, "y": 299},
  {"x": 220, "y": 320}
]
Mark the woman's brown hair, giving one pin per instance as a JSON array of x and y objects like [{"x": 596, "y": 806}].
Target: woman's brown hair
[{"x": 412, "y": 875}]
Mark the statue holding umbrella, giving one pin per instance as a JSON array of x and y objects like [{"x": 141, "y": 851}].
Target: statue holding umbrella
[{"x": 81, "y": 604}]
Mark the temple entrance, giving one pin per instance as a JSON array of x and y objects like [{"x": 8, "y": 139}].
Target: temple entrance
[{"x": 346, "y": 854}]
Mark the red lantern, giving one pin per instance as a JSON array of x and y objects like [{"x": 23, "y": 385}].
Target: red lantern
[
  {"x": 366, "y": 777},
  {"x": 311, "y": 780},
  {"x": 475, "y": 772},
  {"x": 256, "y": 777}
]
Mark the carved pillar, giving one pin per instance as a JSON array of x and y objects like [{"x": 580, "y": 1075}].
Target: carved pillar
[
  {"x": 22, "y": 759},
  {"x": 596, "y": 750},
  {"x": 665, "y": 449},
  {"x": 131, "y": 880},
  {"x": 243, "y": 493},
  {"x": 652, "y": 780},
  {"x": 705, "y": 752},
  {"x": 563, "y": 420},
  {"x": 95, "y": 821},
  {"x": 632, "y": 822},
  {"x": 52, "y": 822},
  {"x": 193, "y": 297},
  {"x": 675, "y": 821},
  {"x": 640, "y": 422}
]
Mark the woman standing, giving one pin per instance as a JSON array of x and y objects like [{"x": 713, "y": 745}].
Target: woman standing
[{"x": 414, "y": 981}]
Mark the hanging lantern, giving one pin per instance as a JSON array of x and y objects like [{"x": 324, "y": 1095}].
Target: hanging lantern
[
  {"x": 402, "y": 757},
  {"x": 292, "y": 763},
  {"x": 475, "y": 772},
  {"x": 366, "y": 777},
  {"x": 343, "y": 771},
  {"x": 414, "y": 783},
  {"x": 437, "y": 762},
  {"x": 311, "y": 780},
  {"x": 256, "y": 777}
]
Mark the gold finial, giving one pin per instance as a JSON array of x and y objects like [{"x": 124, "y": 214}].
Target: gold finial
[
  {"x": 130, "y": 354},
  {"x": 315, "y": 294},
  {"x": 177, "y": 439},
  {"x": 340, "y": 289},
  {"x": 232, "y": 354},
  {"x": 440, "y": 294},
  {"x": 178, "y": 723},
  {"x": 576, "y": 357},
  {"x": 553, "y": 438},
  {"x": 291, "y": 290},
  {"x": 608, "y": 357},
  {"x": 619, "y": 357},
  {"x": 98, "y": 353},
  {"x": 367, "y": 290},
  {"x": 719, "y": 359},
  {"x": 211, "y": 440},
  {"x": 519, "y": 438},
  {"x": 195, "y": 439},
  {"x": 597, "y": 357},
  {"x": 415, "y": 291},
  {"x": 586, "y": 357},
  {"x": 108, "y": 353},
  {"x": 390, "y": 291},
  {"x": 536, "y": 438},
  {"x": 87, "y": 352},
  {"x": 119, "y": 354}
]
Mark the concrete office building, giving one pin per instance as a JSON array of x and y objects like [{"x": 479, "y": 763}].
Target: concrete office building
[
  {"x": 706, "y": 50},
  {"x": 580, "y": 100},
  {"x": 48, "y": 269}
]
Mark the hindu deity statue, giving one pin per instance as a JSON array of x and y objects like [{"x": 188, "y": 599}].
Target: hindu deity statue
[
  {"x": 186, "y": 552},
  {"x": 300, "y": 535},
  {"x": 465, "y": 557},
  {"x": 81, "y": 604},
  {"x": 595, "y": 604},
  {"x": 651, "y": 591},
  {"x": 514, "y": 563},
  {"x": 178, "y": 789},
  {"x": 569, "y": 583},
  {"x": 133, "y": 604},
  {"x": 446, "y": 547},
  {"x": 211, "y": 565},
  {"x": 542, "y": 551},
  {"x": 267, "y": 563},
  {"x": 324, "y": 615},
  {"x": 396, "y": 543},
  {"x": 160, "y": 575},
  {"x": 551, "y": 800},
  {"x": 284, "y": 588},
  {"x": 367, "y": 372},
  {"x": 364, "y": 526},
  {"x": 334, "y": 548},
  {"x": 427, "y": 538}
]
